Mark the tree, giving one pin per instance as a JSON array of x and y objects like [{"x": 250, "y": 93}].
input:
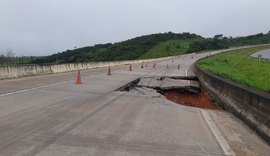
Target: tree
[
  {"x": 218, "y": 37},
  {"x": 3, "y": 59},
  {"x": 10, "y": 53},
  {"x": 6, "y": 57}
]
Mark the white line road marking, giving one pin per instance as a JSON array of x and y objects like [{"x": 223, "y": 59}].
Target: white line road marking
[
  {"x": 44, "y": 86},
  {"x": 219, "y": 137},
  {"x": 188, "y": 81},
  {"x": 35, "y": 88}
]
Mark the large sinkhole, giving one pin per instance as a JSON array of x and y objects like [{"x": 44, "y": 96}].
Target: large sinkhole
[{"x": 179, "y": 89}]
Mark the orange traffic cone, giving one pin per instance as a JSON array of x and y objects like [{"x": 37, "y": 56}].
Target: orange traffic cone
[
  {"x": 130, "y": 67},
  {"x": 109, "y": 71},
  {"x": 78, "y": 81}
]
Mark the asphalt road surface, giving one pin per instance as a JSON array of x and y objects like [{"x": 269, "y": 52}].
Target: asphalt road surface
[
  {"x": 265, "y": 54},
  {"x": 49, "y": 115}
]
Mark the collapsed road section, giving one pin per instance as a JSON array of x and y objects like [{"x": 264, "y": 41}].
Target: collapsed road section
[{"x": 184, "y": 90}]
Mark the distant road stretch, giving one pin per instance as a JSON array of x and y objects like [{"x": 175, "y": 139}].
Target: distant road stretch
[{"x": 264, "y": 53}]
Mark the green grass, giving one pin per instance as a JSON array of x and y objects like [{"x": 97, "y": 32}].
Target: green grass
[
  {"x": 168, "y": 48},
  {"x": 239, "y": 67}
]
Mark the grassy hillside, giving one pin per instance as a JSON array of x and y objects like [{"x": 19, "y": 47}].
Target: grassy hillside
[
  {"x": 126, "y": 50},
  {"x": 143, "y": 47},
  {"x": 239, "y": 67},
  {"x": 168, "y": 48}
]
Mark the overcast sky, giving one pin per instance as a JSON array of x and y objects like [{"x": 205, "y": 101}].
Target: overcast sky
[{"x": 43, "y": 27}]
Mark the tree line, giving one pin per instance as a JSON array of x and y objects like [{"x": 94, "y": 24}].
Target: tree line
[{"x": 135, "y": 48}]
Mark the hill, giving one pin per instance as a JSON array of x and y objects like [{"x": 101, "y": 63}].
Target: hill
[
  {"x": 169, "y": 48},
  {"x": 139, "y": 47},
  {"x": 143, "y": 47}
]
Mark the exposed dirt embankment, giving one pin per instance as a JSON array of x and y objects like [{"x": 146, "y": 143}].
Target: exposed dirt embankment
[{"x": 201, "y": 99}]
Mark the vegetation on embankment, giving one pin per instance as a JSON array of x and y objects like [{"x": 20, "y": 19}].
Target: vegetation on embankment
[
  {"x": 127, "y": 50},
  {"x": 169, "y": 48},
  {"x": 238, "y": 66},
  {"x": 142, "y": 47}
]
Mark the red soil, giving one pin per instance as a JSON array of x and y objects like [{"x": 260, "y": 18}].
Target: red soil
[{"x": 201, "y": 99}]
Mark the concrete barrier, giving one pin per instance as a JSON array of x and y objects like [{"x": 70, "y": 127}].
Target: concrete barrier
[
  {"x": 251, "y": 106},
  {"x": 7, "y": 72}
]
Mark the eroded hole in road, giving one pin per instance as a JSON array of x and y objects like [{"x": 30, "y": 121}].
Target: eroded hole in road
[
  {"x": 176, "y": 89},
  {"x": 200, "y": 99}
]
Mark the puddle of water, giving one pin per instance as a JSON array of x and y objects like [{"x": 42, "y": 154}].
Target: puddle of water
[{"x": 200, "y": 100}]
